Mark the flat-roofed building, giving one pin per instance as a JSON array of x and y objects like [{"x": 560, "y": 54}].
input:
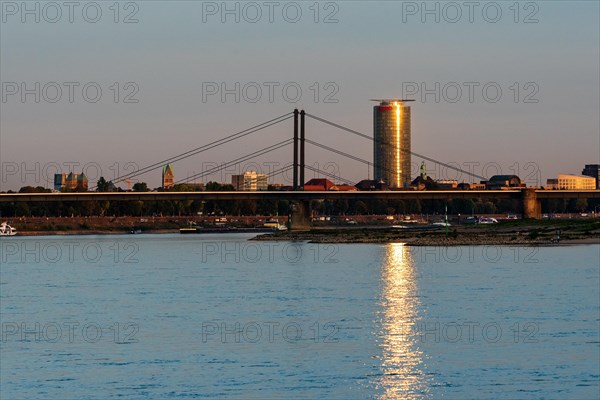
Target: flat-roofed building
[
  {"x": 447, "y": 183},
  {"x": 571, "y": 182},
  {"x": 250, "y": 181},
  {"x": 471, "y": 186}
]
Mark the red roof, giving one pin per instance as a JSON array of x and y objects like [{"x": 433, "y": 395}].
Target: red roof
[
  {"x": 318, "y": 184},
  {"x": 313, "y": 188}
]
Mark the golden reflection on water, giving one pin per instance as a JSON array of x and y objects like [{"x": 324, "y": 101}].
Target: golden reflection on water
[{"x": 402, "y": 364}]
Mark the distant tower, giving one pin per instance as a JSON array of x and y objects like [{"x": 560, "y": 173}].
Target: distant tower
[
  {"x": 592, "y": 170},
  {"x": 423, "y": 170},
  {"x": 391, "y": 147},
  {"x": 168, "y": 177}
]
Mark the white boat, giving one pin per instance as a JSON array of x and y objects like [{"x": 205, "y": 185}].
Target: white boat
[
  {"x": 275, "y": 225},
  {"x": 7, "y": 230}
]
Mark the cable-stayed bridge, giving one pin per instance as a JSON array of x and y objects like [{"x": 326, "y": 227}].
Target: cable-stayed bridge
[{"x": 530, "y": 197}]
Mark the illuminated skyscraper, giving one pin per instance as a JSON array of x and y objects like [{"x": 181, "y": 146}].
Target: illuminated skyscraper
[{"x": 391, "y": 147}]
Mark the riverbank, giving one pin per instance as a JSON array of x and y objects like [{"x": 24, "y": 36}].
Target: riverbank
[
  {"x": 109, "y": 225},
  {"x": 91, "y": 232},
  {"x": 514, "y": 232},
  {"x": 517, "y": 233}
]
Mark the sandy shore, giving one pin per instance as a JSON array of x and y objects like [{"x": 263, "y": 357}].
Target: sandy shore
[
  {"x": 532, "y": 234},
  {"x": 434, "y": 241}
]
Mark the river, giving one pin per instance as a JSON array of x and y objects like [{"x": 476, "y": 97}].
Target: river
[{"x": 217, "y": 316}]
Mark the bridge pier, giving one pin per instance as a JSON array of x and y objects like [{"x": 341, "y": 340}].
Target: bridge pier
[
  {"x": 301, "y": 218},
  {"x": 532, "y": 206}
]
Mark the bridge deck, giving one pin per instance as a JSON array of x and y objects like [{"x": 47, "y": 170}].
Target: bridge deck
[{"x": 296, "y": 195}]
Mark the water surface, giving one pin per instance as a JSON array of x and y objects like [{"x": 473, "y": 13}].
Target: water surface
[{"x": 216, "y": 316}]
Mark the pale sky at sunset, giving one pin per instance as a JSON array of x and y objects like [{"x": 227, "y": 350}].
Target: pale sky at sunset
[{"x": 374, "y": 50}]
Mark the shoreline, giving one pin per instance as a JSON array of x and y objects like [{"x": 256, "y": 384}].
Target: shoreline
[
  {"x": 88, "y": 232},
  {"x": 508, "y": 233},
  {"x": 479, "y": 240},
  {"x": 365, "y": 236}
]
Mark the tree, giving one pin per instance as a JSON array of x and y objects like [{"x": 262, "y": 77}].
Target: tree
[
  {"x": 341, "y": 206},
  {"x": 22, "y": 209},
  {"x": 361, "y": 208},
  {"x": 31, "y": 189},
  {"x": 557, "y": 205},
  {"x": 104, "y": 205},
  {"x": 399, "y": 206},
  {"x": 485, "y": 208},
  {"x": 135, "y": 207},
  {"x": 413, "y": 206},
  {"x": 102, "y": 185},
  {"x": 581, "y": 205},
  {"x": 213, "y": 186},
  {"x": 248, "y": 207},
  {"x": 140, "y": 187},
  {"x": 463, "y": 206}
]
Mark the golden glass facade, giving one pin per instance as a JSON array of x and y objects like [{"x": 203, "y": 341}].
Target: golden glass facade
[{"x": 391, "y": 148}]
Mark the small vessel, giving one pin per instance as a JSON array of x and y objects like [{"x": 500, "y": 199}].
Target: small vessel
[
  {"x": 7, "y": 230},
  {"x": 188, "y": 230},
  {"x": 275, "y": 225},
  {"x": 488, "y": 220}
]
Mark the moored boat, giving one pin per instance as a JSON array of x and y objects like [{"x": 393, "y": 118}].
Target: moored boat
[{"x": 7, "y": 230}]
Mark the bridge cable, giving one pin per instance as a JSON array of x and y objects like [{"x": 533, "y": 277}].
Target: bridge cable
[
  {"x": 393, "y": 146},
  {"x": 206, "y": 147},
  {"x": 348, "y": 155},
  {"x": 203, "y": 148},
  {"x": 339, "y": 178},
  {"x": 238, "y": 160}
]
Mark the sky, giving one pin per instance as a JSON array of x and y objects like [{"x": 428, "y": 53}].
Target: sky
[{"x": 106, "y": 88}]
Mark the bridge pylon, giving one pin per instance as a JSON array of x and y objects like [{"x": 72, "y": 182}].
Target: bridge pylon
[
  {"x": 301, "y": 216},
  {"x": 299, "y": 153},
  {"x": 532, "y": 205}
]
